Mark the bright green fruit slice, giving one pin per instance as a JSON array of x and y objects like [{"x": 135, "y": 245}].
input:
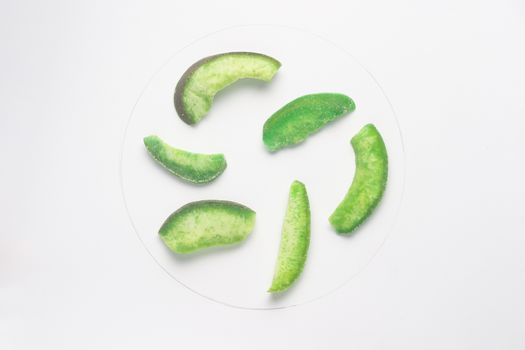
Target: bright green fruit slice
[
  {"x": 295, "y": 239},
  {"x": 297, "y": 120},
  {"x": 369, "y": 181},
  {"x": 205, "y": 78},
  {"x": 193, "y": 167},
  {"x": 205, "y": 224}
]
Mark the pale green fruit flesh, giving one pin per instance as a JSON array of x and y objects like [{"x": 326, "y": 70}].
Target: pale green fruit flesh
[
  {"x": 205, "y": 224},
  {"x": 193, "y": 167},
  {"x": 295, "y": 239},
  {"x": 204, "y": 79}
]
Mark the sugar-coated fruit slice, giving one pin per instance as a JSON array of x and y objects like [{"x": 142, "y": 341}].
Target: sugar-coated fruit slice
[
  {"x": 368, "y": 184},
  {"x": 193, "y": 167},
  {"x": 300, "y": 118},
  {"x": 205, "y": 224},
  {"x": 198, "y": 85},
  {"x": 295, "y": 239}
]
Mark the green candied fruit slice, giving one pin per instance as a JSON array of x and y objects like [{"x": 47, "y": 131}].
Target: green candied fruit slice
[
  {"x": 368, "y": 184},
  {"x": 198, "y": 85},
  {"x": 193, "y": 167},
  {"x": 205, "y": 224},
  {"x": 295, "y": 239},
  {"x": 293, "y": 123}
]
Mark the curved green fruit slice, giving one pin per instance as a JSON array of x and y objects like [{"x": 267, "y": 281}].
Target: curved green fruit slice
[
  {"x": 295, "y": 239},
  {"x": 298, "y": 119},
  {"x": 193, "y": 167},
  {"x": 205, "y": 78},
  {"x": 369, "y": 181},
  {"x": 205, "y": 224}
]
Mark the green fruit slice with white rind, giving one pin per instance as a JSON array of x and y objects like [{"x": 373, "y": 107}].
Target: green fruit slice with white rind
[
  {"x": 205, "y": 224},
  {"x": 193, "y": 167},
  {"x": 369, "y": 181},
  {"x": 198, "y": 85},
  {"x": 293, "y": 123},
  {"x": 295, "y": 239}
]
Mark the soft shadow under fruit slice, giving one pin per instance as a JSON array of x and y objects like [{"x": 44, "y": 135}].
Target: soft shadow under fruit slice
[
  {"x": 293, "y": 123},
  {"x": 198, "y": 85},
  {"x": 368, "y": 184},
  {"x": 295, "y": 239},
  {"x": 205, "y": 224},
  {"x": 193, "y": 167}
]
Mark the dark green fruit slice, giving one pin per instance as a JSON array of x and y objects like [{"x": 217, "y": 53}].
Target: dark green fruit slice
[
  {"x": 199, "y": 84},
  {"x": 369, "y": 182},
  {"x": 295, "y": 239},
  {"x": 205, "y": 224},
  {"x": 193, "y": 167},
  {"x": 297, "y": 120}
]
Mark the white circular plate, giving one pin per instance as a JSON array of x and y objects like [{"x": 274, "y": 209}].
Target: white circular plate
[{"x": 240, "y": 275}]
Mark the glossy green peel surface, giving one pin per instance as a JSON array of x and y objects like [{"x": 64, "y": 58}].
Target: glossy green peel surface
[
  {"x": 193, "y": 167},
  {"x": 295, "y": 239},
  {"x": 205, "y": 224},
  {"x": 369, "y": 181},
  {"x": 300, "y": 118},
  {"x": 203, "y": 80}
]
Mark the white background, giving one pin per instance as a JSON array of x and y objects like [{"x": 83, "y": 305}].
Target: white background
[{"x": 73, "y": 275}]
